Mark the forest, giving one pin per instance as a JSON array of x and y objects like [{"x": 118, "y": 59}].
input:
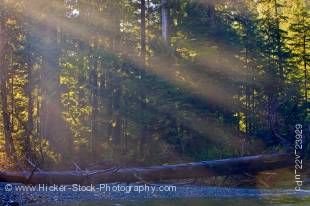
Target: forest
[{"x": 151, "y": 82}]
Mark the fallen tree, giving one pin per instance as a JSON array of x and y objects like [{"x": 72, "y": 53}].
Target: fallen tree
[{"x": 233, "y": 166}]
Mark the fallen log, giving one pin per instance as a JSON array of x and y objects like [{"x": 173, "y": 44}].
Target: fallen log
[{"x": 233, "y": 166}]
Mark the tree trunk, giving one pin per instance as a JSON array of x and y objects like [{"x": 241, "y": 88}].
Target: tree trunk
[
  {"x": 304, "y": 58},
  {"x": 94, "y": 102},
  {"x": 211, "y": 14},
  {"x": 234, "y": 166},
  {"x": 164, "y": 21},
  {"x": 143, "y": 31},
  {"x": 30, "y": 125},
  {"x": 279, "y": 42},
  {"x": 143, "y": 128},
  {"x": 9, "y": 145},
  {"x": 115, "y": 81},
  {"x": 7, "y": 126}
]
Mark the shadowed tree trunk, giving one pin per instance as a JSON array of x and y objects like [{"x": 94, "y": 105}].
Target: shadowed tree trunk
[
  {"x": 211, "y": 13},
  {"x": 115, "y": 81},
  {"x": 143, "y": 128},
  {"x": 6, "y": 117},
  {"x": 94, "y": 102},
  {"x": 234, "y": 166},
  {"x": 30, "y": 123},
  {"x": 143, "y": 30}
]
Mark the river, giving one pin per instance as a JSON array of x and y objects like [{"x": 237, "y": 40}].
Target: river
[{"x": 151, "y": 195}]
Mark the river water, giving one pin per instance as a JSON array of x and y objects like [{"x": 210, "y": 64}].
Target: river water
[
  {"x": 202, "y": 202},
  {"x": 189, "y": 195}
]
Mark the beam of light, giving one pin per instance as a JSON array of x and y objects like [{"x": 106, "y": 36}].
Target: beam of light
[
  {"x": 196, "y": 83},
  {"x": 211, "y": 128},
  {"x": 207, "y": 126},
  {"x": 180, "y": 76},
  {"x": 220, "y": 60}
]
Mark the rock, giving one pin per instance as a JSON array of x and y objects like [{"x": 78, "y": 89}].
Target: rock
[{"x": 12, "y": 203}]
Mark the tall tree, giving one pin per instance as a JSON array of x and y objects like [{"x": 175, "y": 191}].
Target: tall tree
[
  {"x": 143, "y": 29},
  {"x": 164, "y": 21},
  {"x": 4, "y": 65}
]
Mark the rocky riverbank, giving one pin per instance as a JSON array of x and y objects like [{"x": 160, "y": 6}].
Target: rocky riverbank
[{"x": 17, "y": 194}]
